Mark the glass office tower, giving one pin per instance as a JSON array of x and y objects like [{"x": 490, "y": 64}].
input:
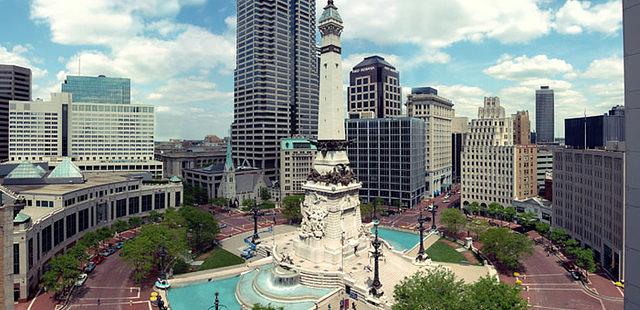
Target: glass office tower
[{"x": 100, "y": 89}]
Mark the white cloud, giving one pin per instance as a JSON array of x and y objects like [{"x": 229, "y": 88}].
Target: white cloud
[
  {"x": 148, "y": 59},
  {"x": 466, "y": 99},
  {"x": 524, "y": 67},
  {"x": 434, "y": 24},
  {"x": 611, "y": 68},
  {"x": 17, "y": 55},
  {"x": 575, "y": 17},
  {"x": 190, "y": 90}
]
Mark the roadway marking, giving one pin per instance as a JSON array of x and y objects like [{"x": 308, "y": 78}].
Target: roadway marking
[
  {"x": 544, "y": 275},
  {"x": 112, "y": 304},
  {"x": 550, "y": 308},
  {"x": 131, "y": 290}
]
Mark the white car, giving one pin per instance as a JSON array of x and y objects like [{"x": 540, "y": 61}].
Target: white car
[{"x": 81, "y": 279}]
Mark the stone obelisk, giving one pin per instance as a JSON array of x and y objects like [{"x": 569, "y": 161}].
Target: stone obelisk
[{"x": 331, "y": 227}]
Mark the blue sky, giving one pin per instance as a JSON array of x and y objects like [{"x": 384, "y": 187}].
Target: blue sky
[{"x": 180, "y": 53}]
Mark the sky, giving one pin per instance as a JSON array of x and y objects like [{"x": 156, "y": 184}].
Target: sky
[{"x": 180, "y": 54}]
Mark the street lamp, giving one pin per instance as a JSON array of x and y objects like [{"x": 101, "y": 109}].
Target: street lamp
[
  {"x": 254, "y": 211},
  {"x": 433, "y": 218},
  {"x": 216, "y": 303},
  {"x": 421, "y": 221},
  {"x": 376, "y": 285},
  {"x": 162, "y": 253}
]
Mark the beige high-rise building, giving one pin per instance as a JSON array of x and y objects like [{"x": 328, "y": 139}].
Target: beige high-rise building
[
  {"x": 437, "y": 112},
  {"x": 493, "y": 168},
  {"x": 521, "y": 128},
  {"x": 6, "y": 257},
  {"x": 296, "y": 160}
]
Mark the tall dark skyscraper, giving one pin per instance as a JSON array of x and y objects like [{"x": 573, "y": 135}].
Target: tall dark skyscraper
[
  {"x": 545, "y": 128},
  {"x": 276, "y": 79},
  {"x": 599, "y": 129},
  {"x": 631, "y": 22},
  {"x": 374, "y": 87},
  {"x": 15, "y": 84}
]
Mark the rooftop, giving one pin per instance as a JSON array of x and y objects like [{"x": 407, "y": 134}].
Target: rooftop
[
  {"x": 62, "y": 189},
  {"x": 372, "y": 61}
]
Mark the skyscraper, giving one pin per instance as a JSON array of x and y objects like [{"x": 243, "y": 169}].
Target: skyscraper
[
  {"x": 459, "y": 132},
  {"x": 98, "y": 89},
  {"x": 437, "y": 112},
  {"x": 545, "y": 127},
  {"x": 631, "y": 21},
  {"x": 599, "y": 129},
  {"x": 374, "y": 87},
  {"x": 15, "y": 84},
  {"x": 276, "y": 79},
  {"x": 521, "y": 128}
]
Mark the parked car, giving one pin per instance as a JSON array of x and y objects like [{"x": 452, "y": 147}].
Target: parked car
[
  {"x": 90, "y": 267},
  {"x": 119, "y": 245},
  {"x": 223, "y": 226},
  {"x": 98, "y": 259},
  {"x": 107, "y": 252},
  {"x": 575, "y": 275},
  {"x": 81, "y": 279}
]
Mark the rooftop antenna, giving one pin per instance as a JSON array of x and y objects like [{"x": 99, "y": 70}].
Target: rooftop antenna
[{"x": 79, "y": 62}]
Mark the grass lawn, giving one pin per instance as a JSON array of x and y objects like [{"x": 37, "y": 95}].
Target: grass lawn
[
  {"x": 219, "y": 257},
  {"x": 441, "y": 252}
]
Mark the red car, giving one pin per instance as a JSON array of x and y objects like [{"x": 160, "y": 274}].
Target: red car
[{"x": 98, "y": 259}]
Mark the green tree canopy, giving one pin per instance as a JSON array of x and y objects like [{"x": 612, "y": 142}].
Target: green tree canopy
[
  {"x": 291, "y": 208},
  {"x": 135, "y": 222},
  {"x": 436, "y": 290},
  {"x": 63, "y": 272},
  {"x": 366, "y": 211},
  {"x": 543, "y": 228},
  {"x": 490, "y": 294},
  {"x": 201, "y": 225},
  {"x": 120, "y": 226},
  {"x": 495, "y": 209},
  {"x": 508, "y": 247},
  {"x": 584, "y": 260},
  {"x": 453, "y": 220},
  {"x": 264, "y": 194},
  {"x": 559, "y": 235},
  {"x": 509, "y": 214},
  {"x": 527, "y": 219}
]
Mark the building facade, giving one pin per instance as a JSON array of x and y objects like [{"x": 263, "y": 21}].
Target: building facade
[
  {"x": 297, "y": 157},
  {"x": 57, "y": 208},
  {"x": 489, "y": 151},
  {"x": 545, "y": 117},
  {"x": 102, "y": 137},
  {"x": 15, "y": 84},
  {"x": 544, "y": 164},
  {"x": 631, "y": 28},
  {"x": 542, "y": 208},
  {"x": 374, "y": 89},
  {"x": 174, "y": 161},
  {"x": 459, "y": 131},
  {"x": 276, "y": 79},
  {"x": 521, "y": 128},
  {"x": 598, "y": 129},
  {"x": 6, "y": 256},
  {"x": 98, "y": 89},
  {"x": 387, "y": 156},
  {"x": 588, "y": 201},
  {"x": 437, "y": 112}
]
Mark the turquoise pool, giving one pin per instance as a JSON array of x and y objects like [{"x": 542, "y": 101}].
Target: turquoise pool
[
  {"x": 201, "y": 295},
  {"x": 399, "y": 240}
]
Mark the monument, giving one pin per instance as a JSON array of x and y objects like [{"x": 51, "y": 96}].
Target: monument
[{"x": 331, "y": 228}]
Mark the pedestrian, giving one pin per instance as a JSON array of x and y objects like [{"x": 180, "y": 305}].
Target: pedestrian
[{"x": 98, "y": 301}]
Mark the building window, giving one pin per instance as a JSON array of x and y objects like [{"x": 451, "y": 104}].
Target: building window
[
  {"x": 178, "y": 199},
  {"x": 58, "y": 232},
  {"x": 30, "y": 253},
  {"x": 159, "y": 201},
  {"x": 134, "y": 205},
  {"x": 146, "y": 203},
  {"x": 83, "y": 219},
  {"x": 46, "y": 240},
  {"x": 121, "y": 208},
  {"x": 71, "y": 225},
  {"x": 16, "y": 258}
]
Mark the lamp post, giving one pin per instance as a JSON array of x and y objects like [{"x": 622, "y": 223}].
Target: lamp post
[
  {"x": 255, "y": 210},
  {"x": 421, "y": 221},
  {"x": 433, "y": 218},
  {"x": 162, "y": 253},
  {"x": 216, "y": 303},
  {"x": 376, "y": 285}
]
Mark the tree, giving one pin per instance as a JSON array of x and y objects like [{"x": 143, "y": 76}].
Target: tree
[
  {"x": 478, "y": 227},
  {"x": 559, "y": 235},
  {"x": 453, "y": 220},
  {"x": 120, "y": 226},
  {"x": 219, "y": 201},
  {"x": 63, "y": 273},
  {"x": 584, "y": 260},
  {"x": 291, "y": 208},
  {"x": 509, "y": 214},
  {"x": 194, "y": 195},
  {"x": 505, "y": 246},
  {"x": 543, "y": 228},
  {"x": 473, "y": 208},
  {"x": 366, "y": 210},
  {"x": 495, "y": 210},
  {"x": 572, "y": 245},
  {"x": 247, "y": 204},
  {"x": 155, "y": 216},
  {"x": 398, "y": 204},
  {"x": 202, "y": 227},
  {"x": 135, "y": 222},
  {"x": 264, "y": 194},
  {"x": 527, "y": 220},
  {"x": 434, "y": 290},
  {"x": 490, "y": 294}
]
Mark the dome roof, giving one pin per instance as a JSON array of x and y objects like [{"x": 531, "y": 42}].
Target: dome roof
[{"x": 330, "y": 12}]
